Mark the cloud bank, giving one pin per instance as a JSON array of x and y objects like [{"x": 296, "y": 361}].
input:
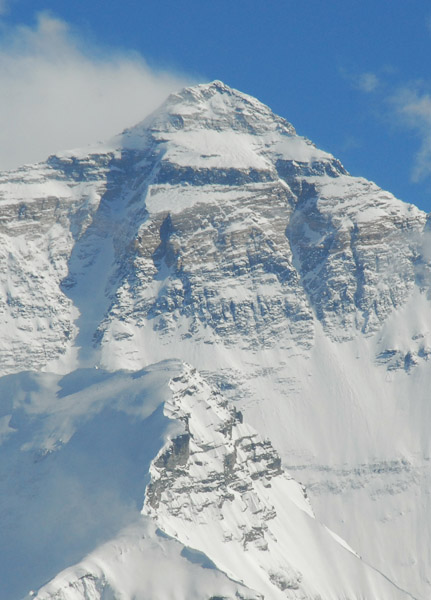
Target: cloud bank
[{"x": 57, "y": 92}]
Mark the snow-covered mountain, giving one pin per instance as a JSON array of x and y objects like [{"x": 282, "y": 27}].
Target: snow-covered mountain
[{"x": 212, "y": 234}]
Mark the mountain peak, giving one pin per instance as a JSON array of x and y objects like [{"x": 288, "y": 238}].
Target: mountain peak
[
  {"x": 213, "y": 106},
  {"x": 213, "y": 234},
  {"x": 203, "y": 92}
]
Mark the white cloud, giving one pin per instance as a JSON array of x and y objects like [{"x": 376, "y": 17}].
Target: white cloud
[
  {"x": 413, "y": 106},
  {"x": 405, "y": 107},
  {"x": 367, "y": 82},
  {"x": 57, "y": 92}
]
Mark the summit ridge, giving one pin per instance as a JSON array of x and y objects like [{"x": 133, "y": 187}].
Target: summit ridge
[{"x": 215, "y": 105}]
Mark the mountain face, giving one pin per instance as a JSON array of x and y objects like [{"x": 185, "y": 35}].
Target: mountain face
[{"x": 212, "y": 235}]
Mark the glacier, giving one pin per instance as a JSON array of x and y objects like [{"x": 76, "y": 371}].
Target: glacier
[{"x": 197, "y": 315}]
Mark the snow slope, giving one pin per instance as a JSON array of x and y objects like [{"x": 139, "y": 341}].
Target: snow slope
[
  {"x": 213, "y": 233},
  {"x": 219, "y": 508}
]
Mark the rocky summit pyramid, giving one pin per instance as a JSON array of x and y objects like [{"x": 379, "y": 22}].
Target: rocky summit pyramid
[{"x": 198, "y": 319}]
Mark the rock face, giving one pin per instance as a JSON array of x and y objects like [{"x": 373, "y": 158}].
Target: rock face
[
  {"x": 212, "y": 219},
  {"x": 217, "y": 460},
  {"x": 213, "y": 233}
]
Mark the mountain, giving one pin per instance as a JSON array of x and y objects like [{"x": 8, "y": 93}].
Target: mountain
[{"x": 212, "y": 235}]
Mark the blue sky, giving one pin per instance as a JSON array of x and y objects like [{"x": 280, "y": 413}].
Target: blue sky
[{"x": 353, "y": 76}]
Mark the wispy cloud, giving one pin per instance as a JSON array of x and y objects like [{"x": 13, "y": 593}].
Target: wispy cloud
[
  {"x": 412, "y": 105},
  {"x": 404, "y": 106},
  {"x": 367, "y": 82},
  {"x": 57, "y": 92}
]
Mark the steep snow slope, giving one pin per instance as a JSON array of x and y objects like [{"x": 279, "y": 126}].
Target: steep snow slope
[
  {"x": 143, "y": 563},
  {"x": 75, "y": 463},
  {"x": 213, "y": 233},
  {"x": 220, "y": 488}
]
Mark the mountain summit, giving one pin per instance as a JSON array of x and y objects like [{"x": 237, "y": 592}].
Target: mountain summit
[
  {"x": 189, "y": 310},
  {"x": 215, "y": 106}
]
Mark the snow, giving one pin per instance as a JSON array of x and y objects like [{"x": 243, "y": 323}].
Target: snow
[
  {"x": 214, "y": 150},
  {"x": 304, "y": 296},
  {"x": 173, "y": 199},
  {"x": 141, "y": 563},
  {"x": 294, "y": 148},
  {"x": 269, "y": 537}
]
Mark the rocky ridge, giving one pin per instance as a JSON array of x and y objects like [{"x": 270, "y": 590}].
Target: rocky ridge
[{"x": 220, "y": 488}]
